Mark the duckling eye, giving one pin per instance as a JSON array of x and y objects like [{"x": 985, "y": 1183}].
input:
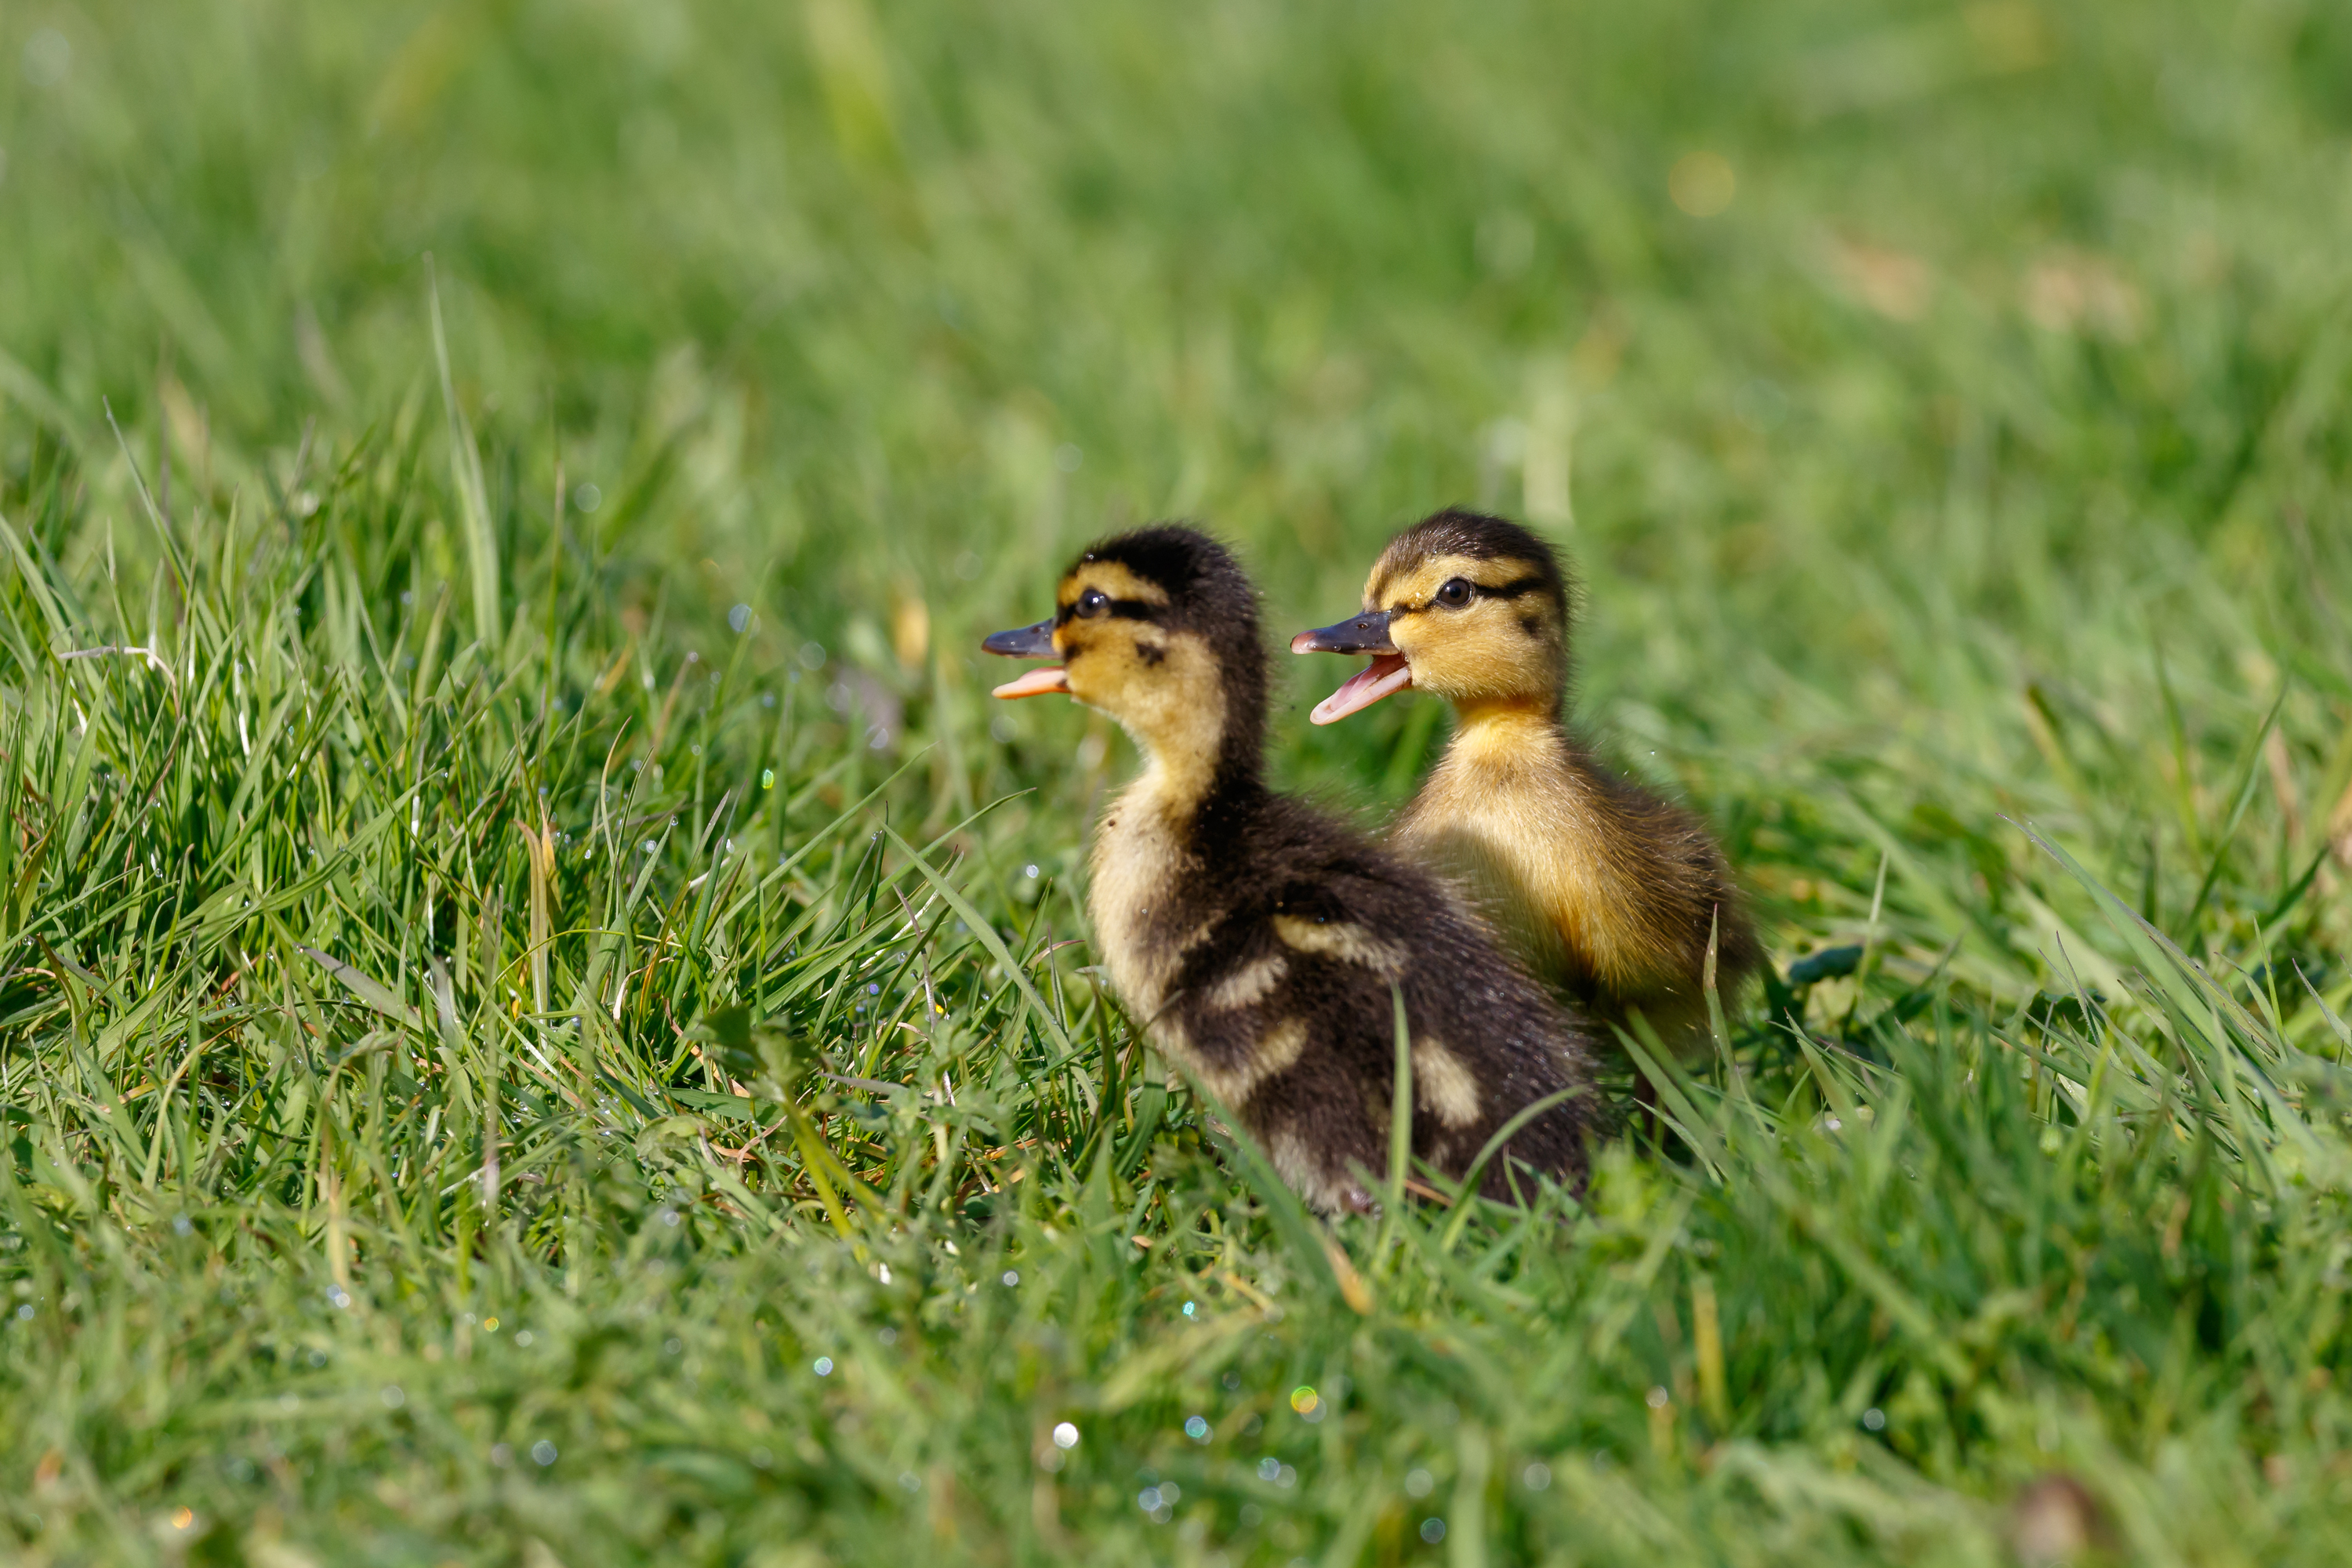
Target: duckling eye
[
  {"x": 1093, "y": 602},
  {"x": 1455, "y": 594}
]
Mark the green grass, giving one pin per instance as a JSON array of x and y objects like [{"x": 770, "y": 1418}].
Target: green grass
[{"x": 1961, "y": 519}]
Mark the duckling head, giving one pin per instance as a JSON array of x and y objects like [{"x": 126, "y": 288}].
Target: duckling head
[
  {"x": 1470, "y": 607},
  {"x": 1158, "y": 629}
]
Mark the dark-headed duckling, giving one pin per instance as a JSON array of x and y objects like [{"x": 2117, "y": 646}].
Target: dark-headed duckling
[
  {"x": 1256, "y": 939},
  {"x": 1608, "y": 892}
]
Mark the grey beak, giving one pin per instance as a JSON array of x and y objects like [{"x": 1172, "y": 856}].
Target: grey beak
[
  {"x": 1367, "y": 633},
  {"x": 1023, "y": 642}
]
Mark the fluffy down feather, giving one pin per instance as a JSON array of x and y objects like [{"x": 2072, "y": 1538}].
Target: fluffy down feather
[{"x": 1258, "y": 939}]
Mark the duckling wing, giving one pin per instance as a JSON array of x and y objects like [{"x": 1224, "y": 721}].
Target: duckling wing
[
  {"x": 1285, "y": 1009},
  {"x": 1280, "y": 1014}
]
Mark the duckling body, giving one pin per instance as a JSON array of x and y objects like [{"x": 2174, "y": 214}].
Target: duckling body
[
  {"x": 1256, "y": 939},
  {"x": 1608, "y": 892},
  {"x": 1605, "y": 891}
]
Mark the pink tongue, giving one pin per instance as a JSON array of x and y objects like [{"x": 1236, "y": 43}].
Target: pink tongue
[
  {"x": 1386, "y": 675},
  {"x": 1034, "y": 683}
]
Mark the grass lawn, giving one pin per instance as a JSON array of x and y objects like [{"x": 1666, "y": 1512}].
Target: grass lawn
[{"x": 545, "y": 1018}]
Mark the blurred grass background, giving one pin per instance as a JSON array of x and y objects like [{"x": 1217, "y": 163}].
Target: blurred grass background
[
  {"x": 2009, "y": 372},
  {"x": 1945, "y": 407}
]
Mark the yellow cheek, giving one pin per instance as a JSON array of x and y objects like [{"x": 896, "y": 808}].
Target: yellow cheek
[
  {"x": 1089, "y": 663},
  {"x": 1411, "y": 633},
  {"x": 1471, "y": 650},
  {"x": 1431, "y": 641},
  {"x": 1138, "y": 676}
]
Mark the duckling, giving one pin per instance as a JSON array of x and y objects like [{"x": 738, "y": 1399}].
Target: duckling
[
  {"x": 1257, "y": 939},
  {"x": 1607, "y": 892}
]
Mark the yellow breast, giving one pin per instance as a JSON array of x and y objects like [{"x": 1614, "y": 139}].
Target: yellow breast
[
  {"x": 1136, "y": 865},
  {"x": 1535, "y": 847}
]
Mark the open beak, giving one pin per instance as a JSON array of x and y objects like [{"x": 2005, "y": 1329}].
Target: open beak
[
  {"x": 1029, "y": 642},
  {"x": 1385, "y": 676}
]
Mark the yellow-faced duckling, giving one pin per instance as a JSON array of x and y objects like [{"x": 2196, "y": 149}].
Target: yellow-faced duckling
[
  {"x": 1609, "y": 892},
  {"x": 1256, "y": 939}
]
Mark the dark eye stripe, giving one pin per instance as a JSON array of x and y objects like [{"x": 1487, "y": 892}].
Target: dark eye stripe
[
  {"x": 1511, "y": 590},
  {"x": 1125, "y": 609}
]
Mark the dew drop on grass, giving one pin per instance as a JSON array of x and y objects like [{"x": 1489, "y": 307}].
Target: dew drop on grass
[
  {"x": 1066, "y": 1436},
  {"x": 1197, "y": 1429}
]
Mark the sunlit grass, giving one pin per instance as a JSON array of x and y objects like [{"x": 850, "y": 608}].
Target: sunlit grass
[{"x": 543, "y": 1016}]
